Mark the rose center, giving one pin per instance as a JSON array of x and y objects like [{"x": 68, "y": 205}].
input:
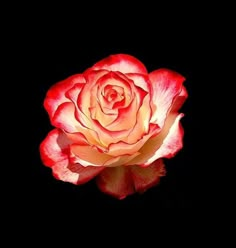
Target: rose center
[{"x": 112, "y": 94}]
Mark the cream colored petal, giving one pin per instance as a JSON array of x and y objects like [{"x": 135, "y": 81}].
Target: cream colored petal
[{"x": 165, "y": 144}]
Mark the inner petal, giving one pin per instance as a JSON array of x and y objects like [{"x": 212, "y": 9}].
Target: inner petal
[{"x": 114, "y": 91}]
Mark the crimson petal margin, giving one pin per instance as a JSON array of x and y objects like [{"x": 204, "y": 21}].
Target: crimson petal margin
[
  {"x": 54, "y": 151},
  {"x": 167, "y": 85},
  {"x": 56, "y": 94},
  {"x": 54, "y": 148}
]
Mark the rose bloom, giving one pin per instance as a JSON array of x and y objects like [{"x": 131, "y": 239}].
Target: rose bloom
[{"x": 115, "y": 122}]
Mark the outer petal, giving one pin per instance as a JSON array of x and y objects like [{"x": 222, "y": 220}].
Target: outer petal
[
  {"x": 54, "y": 148},
  {"x": 90, "y": 154},
  {"x": 61, "y": 172},
  {"x": 122, "y": 181},
  {"x": 116, "y": 181},
  {"x": 85, "y": 173},
  {"x": 56, "y": 94},
  {"x": 74, "y": 173},
  {"x": 165, "y": 145},
  {"x": 121, "y": 62},
  {"x": 54, "y": 151},
  {"x": 121, "y": 148},
  {"x": 167, "y": 85},
  {"x": 145, "y": 178},
  {"x": 64, "y": 118},
  {"x": 179, "y": 100}
]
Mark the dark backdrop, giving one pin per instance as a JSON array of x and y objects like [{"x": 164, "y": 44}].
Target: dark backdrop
[{"x": 48, "y": 54}]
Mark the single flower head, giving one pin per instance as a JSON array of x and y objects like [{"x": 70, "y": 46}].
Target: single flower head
[{"x": 116, "y": 122}]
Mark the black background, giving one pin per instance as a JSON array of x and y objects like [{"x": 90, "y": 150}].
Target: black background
[
  {"x": 48, "y": 53},
  {"x": 175, "y": 190}
]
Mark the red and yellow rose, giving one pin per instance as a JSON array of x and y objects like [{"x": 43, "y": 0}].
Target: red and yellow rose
[{"x": 115, "y": 122}]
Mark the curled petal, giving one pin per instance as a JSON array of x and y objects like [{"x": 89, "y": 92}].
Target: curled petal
[
  {"x": 164, "y": 145},
  {"x": 167, "y": 85},
  {"x": 126, "y": 118},
  {"x": 64, "y": 118},
  {"x": 88, "y": 94},
  {"x": 142, "y": 124},
  {"x": 140, "y": 80},
  {"x": 121, "y": 83},
  {"x": 98, "y": 114},
  {"x": 54, "y": 148},
  {"x": 74, "y": 173},
  {"x": 121, "y": 160},
  {"x": 90, "y": 154},
  {"x": 56, "y": 95},
  {"x": 74, "y": 92},
  {"x": 85, "y": 173},
  {"x": 61, "y": 172},
  {"x": 121, "y": 147},
  {"x": 54, "y": 151},
  {"x": 120, "y": 62},
  {"x": 179, "y": 100}
]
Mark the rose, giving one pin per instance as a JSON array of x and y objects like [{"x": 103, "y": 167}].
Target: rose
[{"x": 114, "y": 122}]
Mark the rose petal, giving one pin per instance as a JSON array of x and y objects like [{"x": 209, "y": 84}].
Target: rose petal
[
  {"x": 166, "y": 85},
  {"x": 88, "y": 94},
  {"x": 114, "y": 79},
  {"x": 74, "y": 173},
  {"x": 74, "y": 92},
  {"x": 142, "y": 81},
  {"x": 77, "y": 138},
  {"x": 122, "y": 147},
  {"x": 61, "y": 172},
  {"x": 64, "y": 118},
  {"x": 121, "y": 160},
  {"x": 120, "y": 62},
  {"x": 54, "y": 148},
  {"x": 127, "y": 117},
  {"x": 164, "y": 145},
  {"x": 179, "y": 100},
  {"x": 116, "y": 181},
  {"x": 145, "y": 178},
  {"x": 142, "y": 125},
  {"x": 56, "y": 94},
  {"x": 54, "y": 151},
  {"x": 89, "y": 154},
  {"x": 99, "y": 115},
  {"x": 122, "y": 181},
  {"x": 85, "y": 173}
]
